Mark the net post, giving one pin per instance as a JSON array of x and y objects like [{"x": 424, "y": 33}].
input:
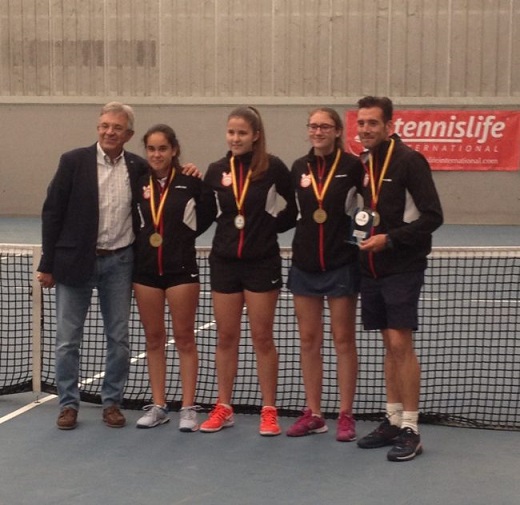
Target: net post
[{"x": 36, "y": 323}]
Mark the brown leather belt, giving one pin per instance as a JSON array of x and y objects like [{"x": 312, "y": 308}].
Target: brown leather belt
[{"x": 109, "y": 252}]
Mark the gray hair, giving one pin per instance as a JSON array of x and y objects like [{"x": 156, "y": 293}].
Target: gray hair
[{"x": 120, "y": 108}]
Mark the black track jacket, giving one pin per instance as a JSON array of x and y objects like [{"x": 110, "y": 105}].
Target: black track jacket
[
  {"x": 409, "y": 209},
  {"x": 189, "y": 210},
  {"x": 265, "y": 213},
  {"x": 321, "y": 247}
]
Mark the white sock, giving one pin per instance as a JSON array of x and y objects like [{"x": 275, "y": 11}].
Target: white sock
[
  {"x": 394, "y": 413},
  {"x": 410, "y": 420}
]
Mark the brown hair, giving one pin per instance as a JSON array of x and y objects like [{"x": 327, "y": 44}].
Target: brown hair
[
  {"x": 338, "y": 123},
  {"x": 260, "y": 161}
]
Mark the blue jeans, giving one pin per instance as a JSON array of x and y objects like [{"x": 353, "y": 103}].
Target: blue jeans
[{"x": 113, "y": 279}]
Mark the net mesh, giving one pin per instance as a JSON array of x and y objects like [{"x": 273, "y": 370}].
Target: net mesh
[
  {"x": 16, "y": 319},
  {"x": 467, "y": 344}
]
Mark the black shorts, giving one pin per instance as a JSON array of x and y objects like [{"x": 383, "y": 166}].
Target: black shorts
[
  {"x": 343, "y": 281},
  {"x": 233, "y": 276},
  {"x": 165, "y": 281},
  {"x": 391, "y": 302}
]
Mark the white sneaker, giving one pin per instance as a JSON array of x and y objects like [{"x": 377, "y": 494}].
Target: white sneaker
[
  {"x": 188, "y": 421},
  {"x": 154, "y": 416}
]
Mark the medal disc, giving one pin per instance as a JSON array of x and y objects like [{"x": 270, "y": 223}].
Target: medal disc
[
  {"x": 362, "y": 218},
  {"x": 155, "y": 239},
  {"x": 376, "y": 218},
  {"x": 240, "y": 221},
  {"x": 319, "y": 216}
]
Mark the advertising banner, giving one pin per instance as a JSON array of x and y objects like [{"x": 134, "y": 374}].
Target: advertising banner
[{"x": 454, "y": 139}]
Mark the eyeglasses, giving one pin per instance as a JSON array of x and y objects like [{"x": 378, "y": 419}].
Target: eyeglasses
[
  {"x": 325, "y": 128},
  {"x": 104, "y": 127}
]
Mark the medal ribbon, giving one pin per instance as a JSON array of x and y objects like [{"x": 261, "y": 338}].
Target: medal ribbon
[
  {"x": 240, "y": 193},
  {"x": 375, "y": 193},
  {"x": 320, "y": 192},
  {"x": 157, "y": 213}
]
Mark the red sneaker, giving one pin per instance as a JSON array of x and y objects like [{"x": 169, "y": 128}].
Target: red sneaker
[
  {"x": 269, "y": 426},
  {"x": 220, "y": 417},
  {"x": 307, "y": 424},
  {"x": 346, "y": 428}
]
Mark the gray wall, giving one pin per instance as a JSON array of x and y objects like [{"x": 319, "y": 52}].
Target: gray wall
[
  {"x": 35, "y": 135},
  {"x": 187, "y": 62},
  {"x": 264, "y": 48}
]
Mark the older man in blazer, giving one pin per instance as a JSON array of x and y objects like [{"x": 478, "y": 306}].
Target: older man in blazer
[{"x": 88, "y": 227}]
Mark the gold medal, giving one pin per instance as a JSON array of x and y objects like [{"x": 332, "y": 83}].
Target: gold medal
[
  {"x": 156, "y": 239},
  {"x": 240, "y": 221},
  {"x": 319, "y": 216}
]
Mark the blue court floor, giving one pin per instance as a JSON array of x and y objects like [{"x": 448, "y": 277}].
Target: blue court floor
[{"x": 96, "y": 465}]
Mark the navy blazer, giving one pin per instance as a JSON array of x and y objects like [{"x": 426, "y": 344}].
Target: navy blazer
[{"x": 70, "y": 215}]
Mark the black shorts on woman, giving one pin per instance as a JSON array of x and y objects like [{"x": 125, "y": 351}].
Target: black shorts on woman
[{"x": 236, "y": 275}]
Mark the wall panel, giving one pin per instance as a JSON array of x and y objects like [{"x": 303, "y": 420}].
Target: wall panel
[
  {"x": 14, "y": 46},
  {"x": 352, "y": 41},
  {"x": 187, "y": 64},
  {"x": 450, "y": 49},
  {"x": 512, "y": 69},
  {"x": 243, "y": 52}
]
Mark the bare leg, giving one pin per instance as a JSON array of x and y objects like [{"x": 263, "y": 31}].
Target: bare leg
[
  {"x": 309, "y": 310},
  {"x": 183, "y": 300},
  {"x": 343, "y": 323},
  {"x": 402, "y": 370},
  {"x": 228, "y": 313},
  {"x": 150, "y": 302},
  {"x": 261, "y": 308}
]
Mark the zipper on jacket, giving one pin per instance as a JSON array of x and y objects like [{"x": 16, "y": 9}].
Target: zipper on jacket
[
  {"x": 321, "y": 247},
  {"x": 241, "y": 232},
  {"x": 377, "y": 169},
  {"x": 321, "y": 166},
  {"x": 240, "y": 243},
  {"x": 371, "y": 262},
  {"x": 160, "y": 265}
]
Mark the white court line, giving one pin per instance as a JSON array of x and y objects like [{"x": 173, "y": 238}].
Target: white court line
[
  {"x": 37, "y": 403},
  {"x": 26, "y": 408}
]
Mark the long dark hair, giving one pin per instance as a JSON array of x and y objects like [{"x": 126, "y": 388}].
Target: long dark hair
[
  {"x": 260, "y": 161},
  {"x": 169, "y": 133}
]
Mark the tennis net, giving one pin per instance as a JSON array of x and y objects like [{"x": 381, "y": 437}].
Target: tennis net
[{"x": 467, "y": 344}]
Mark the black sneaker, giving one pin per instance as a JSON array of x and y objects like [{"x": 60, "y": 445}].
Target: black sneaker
[
  {"x": 406, "y": 446},
  {"x": 384, "y": 434}
]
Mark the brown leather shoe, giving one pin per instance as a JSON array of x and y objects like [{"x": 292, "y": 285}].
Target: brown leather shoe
[
  {"x": 113, "y": 417},
  {"x": 67, "y": 420}
]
